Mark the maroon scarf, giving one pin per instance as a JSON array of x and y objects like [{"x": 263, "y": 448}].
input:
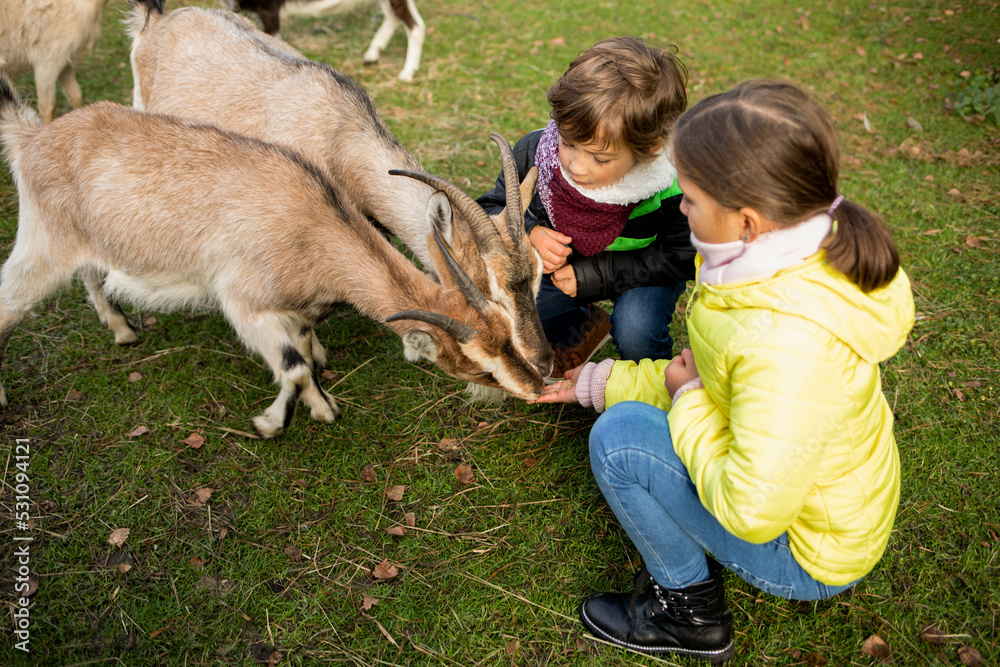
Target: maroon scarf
[{"x": 592, "y": 225}]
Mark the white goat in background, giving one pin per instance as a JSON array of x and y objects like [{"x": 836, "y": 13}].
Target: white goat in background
[
  {"x": 143, "y": 207},
  {"x": 217, "y": 67},
  {"x": 395, "y": 13},
  {"x": 47, "y": 36}
]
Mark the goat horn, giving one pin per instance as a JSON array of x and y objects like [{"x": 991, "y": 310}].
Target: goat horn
[
  {"x": 515, "y": 222},
  {"x": 488, "y": 239},
  {"x": 460, "y": 332},
  {"x": 462, "y": 280}
]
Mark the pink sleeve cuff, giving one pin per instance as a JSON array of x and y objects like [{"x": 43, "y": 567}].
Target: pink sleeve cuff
[
  {"x": 592, "y": 383},
  {"x": 686, "y": 387}
]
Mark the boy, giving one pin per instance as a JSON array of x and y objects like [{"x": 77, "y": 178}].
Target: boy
[{"x": 606, "y": 220}]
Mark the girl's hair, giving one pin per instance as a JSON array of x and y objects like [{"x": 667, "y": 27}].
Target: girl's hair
[
  {"x": 620, "y": 92},
  {"x": 767, "y": 146}
]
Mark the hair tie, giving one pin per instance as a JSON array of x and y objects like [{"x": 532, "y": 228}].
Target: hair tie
[{"x": 834, "y": 205}]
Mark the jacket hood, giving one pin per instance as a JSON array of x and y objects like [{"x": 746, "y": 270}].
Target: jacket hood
[{"x": 873, "y": 324}]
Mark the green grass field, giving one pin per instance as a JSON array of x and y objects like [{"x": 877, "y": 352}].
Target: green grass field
[{"x": 286, "y": 560}]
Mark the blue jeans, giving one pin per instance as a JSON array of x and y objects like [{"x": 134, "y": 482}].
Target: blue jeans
[
  {"x": 651, "y": 493},
  {"x": 640, "y": 321}
]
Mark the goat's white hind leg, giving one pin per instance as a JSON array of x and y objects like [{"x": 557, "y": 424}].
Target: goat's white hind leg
[
  {"x": 384, "y": 33},
  {"x": 414, "y": 43},
  {"x": 26, "y": 279},
  {"x": 322, "y": 407},
  {"x": 108, "y": 311},
  {"x": 67, "y": 78}
]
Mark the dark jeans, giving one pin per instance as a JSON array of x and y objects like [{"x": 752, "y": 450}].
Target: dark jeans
[{"x": 640, "y": 321}]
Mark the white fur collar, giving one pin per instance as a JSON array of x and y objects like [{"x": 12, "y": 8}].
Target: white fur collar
[{"x": 642, "y": 181}]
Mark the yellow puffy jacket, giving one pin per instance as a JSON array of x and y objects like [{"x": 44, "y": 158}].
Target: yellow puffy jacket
[{"x": 792, "y": 431}]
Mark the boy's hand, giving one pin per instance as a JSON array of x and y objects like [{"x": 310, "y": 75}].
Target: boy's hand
[
  {"x": 565, "y": 280},
  {"x": 680, "y": 371},
  {"x": 552, "y": 246}
]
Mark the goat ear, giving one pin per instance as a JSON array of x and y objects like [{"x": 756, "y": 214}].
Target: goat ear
[
  {"x": 419, "y": 345},
  {"x": 528, "y": 189},
  {"x": 439, "y": 215}
]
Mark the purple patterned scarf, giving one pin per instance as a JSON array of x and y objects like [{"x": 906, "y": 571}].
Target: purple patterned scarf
[{"x": 592, "y": 225}]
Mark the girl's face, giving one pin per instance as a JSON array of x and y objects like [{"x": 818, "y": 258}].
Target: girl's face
[
  {"x": 710, "y": 221},
  {"x": 594, "y": 165}
]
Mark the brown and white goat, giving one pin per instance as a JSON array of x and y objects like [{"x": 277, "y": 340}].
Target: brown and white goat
[
  {"x": 216, "y": 67},
  {"x": 395, "y": 13},
  {"x": 47, "y": 36},
  {"x": 143, "y": 208}
]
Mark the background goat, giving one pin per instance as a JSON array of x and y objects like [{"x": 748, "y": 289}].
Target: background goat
[
  {"x": 143, "y": 208},
  {"x": 47, "y": 36},
  {"x": 217, "y": 67},
  {"x": 395, "y": 13}
]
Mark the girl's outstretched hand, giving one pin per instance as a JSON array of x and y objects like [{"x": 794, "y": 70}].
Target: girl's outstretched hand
[{"x": 563, "y": 391}]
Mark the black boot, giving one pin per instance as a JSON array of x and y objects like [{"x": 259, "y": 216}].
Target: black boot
[{"x": 692, "y": 621}]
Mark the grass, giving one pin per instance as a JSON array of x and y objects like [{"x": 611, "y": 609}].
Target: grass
[{"x": 278, "y": 563}]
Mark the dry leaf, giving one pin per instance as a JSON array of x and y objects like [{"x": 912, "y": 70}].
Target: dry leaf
[
  {"x": 970, "y": 657},
  {"x": 447, "y": 445},
  {"x": 194, "y": 441},
  {"x": 32, "y": 589},
  {"x": 464, "y": 474},
  {"x": 294, "y": 554},
  {"x": 931, "y": 232},
  {"x": 875, "y": 647},
  {"x": 410, "y": 519},
  {"x": 201, "y": 496},
  {"x": 398, "y": 531},
  {"x": 367, "y": 602},
  {"x": 395, "y": 493},
  {"x": 149, "y": 321},
  {"x": 973, "y": 241},
  {"x": 197, "y": 563},
  {"x": 139, "y": 430},
  {"x": 558, "y": 41},
  {"x": 74, "y": 395},
  {"x": 368, "y": 473},
  {"x": 959, "y": 394},
  {"x": 482, "y": 425},
  {"x": 385, "y": 570},
  {"x": 134, "y": 377},
  {"x": 955, "y": 192},
  {"x": 932, "y": 635},
  {"x": 123, "y": 567},
  {"x": 328, "y": 375},
  {"x": 118, "y": 537}
]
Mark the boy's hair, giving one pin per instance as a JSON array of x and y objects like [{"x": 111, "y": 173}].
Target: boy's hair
[
  {"x": 767, "y": 146},
  {"x": 620, "y": 92}
]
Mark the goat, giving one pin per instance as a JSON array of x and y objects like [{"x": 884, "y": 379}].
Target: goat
[
  {"x": 143, "y": 208},
  {"x": 217, "y": 67},
  {"x": 47, "y": 36},
  {"x": 394, "y": 14}
]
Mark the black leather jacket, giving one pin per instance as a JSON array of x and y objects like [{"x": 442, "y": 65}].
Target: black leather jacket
[{"x": 668, "y": 260}]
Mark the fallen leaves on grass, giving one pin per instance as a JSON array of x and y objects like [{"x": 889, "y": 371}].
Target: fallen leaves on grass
[
  {"x": 74, "y": 395},
  {"x": 410, "y": 519},
  {"x": 464, "y": 474},
  {"x": 932, "y": 635},
  {"x": 398, "y": 531},
  {"x": 395, "y": 493},
  {"x": 197, "y": 563},
  {"x": 137, "y": 431},
  {"x": 875, "y": 647},
  {"x": 969, "y": 656},
  {"x": 368, "y": 473},
  {"x": 294, "y": 554},
  {"x": 194, "y": 441},
  {"x": 201, "y": 496},
  {"x": 367, "y": 602},
  {"x": 134, "y": 377},
  {"x": 385, "y": 570},
  {"x": 118, "y": 537}
]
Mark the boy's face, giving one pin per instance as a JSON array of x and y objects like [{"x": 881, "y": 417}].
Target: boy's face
[{"x": 594, "y": 165}]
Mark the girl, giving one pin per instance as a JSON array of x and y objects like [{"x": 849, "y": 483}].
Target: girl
[
  {"x": 777, "y": 455},
  {"x": 606, "y": 220}
]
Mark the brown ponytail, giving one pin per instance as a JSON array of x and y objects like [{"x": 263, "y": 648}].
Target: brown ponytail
[
  {"x": 861, "y": 247},
  {"x": 767, "y": 146}
]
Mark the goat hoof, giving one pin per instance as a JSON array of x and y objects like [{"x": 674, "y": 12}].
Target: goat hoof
[
  {"x": 266, "y": 428},
  {"x": 128, "y": 337}
]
